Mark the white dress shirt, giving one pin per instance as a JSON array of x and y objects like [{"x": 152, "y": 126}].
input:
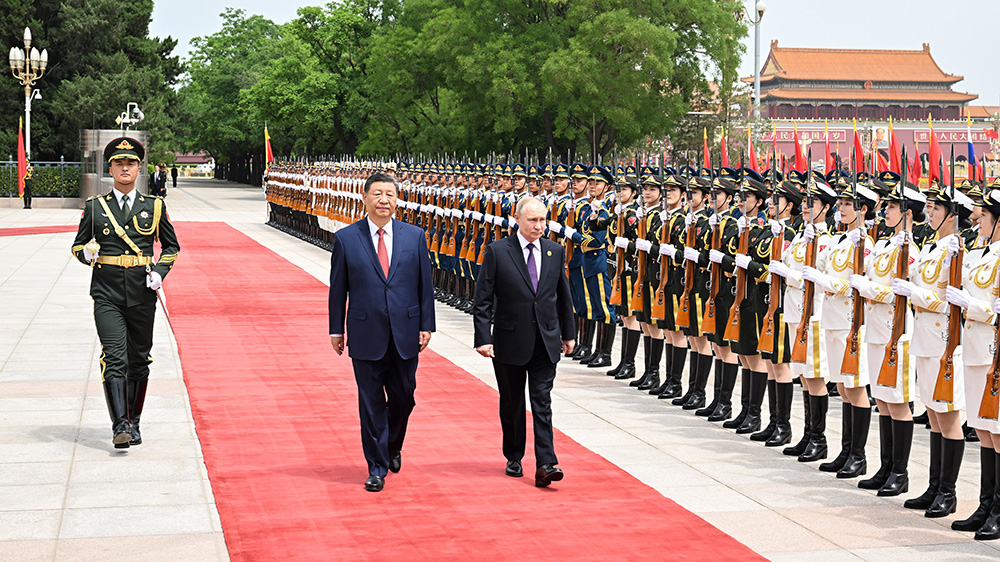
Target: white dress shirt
[
  {"x": 538, "y": 252},
  {"x": 386, "y": 237},
  {"x": 132, "y": 196}
]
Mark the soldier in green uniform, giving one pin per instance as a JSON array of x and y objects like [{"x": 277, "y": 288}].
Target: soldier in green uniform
[{"x": 116, "y": 238}]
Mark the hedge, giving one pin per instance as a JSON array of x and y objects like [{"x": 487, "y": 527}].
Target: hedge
[{"x": 49, "y": 181}]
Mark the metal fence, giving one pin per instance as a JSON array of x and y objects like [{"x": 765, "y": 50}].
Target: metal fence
[{"x": 53, "y": 178}]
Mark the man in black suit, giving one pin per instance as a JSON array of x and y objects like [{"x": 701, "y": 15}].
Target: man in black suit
[{"x": 522, "y": 290}]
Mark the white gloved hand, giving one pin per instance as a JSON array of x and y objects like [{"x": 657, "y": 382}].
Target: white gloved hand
[
  {"x": 713, "y": 220},
  {"x": 569, "y": 232},
  {"x": 691, "y": 254},
  {"x": 643, "y": 245},
  {"x": 476, "y": 216},
  {"x": 957, "y": 297},
  {"x": 741, "y": 223},
  {"x": 776, "y": 228},
  {"x": 488, "y": 217},
  {"x": 688, "y": 220},
  {"x": 869, "y": 224},
  {"x": 619, "y": 209},
  {"x": 153, "y": 280},
  {"x": 854, "y": 235},
  {"x": 837, "y": 217},
  {"x": 555, "y": 227},
  {"x": 498, "y": 220},
  {"x": 809, "y": 232},
  {"x": 902, "y": 287},
  {"x": 621, "y": 242},
  {"x": 816, "y": 276},
  {"x": 996, "y": 306},
  {"x": 953, "y": 245},
  {"x": 88, "y": 256},
  {"x": 715, "y": 256},
  {"x": 899, "y": 239},
  {"x": 778, "y": 268},
  {"x": 742, "y": 261},
  {"x": 668, "y": 250},
  {"x": 858, "y": 282},
  {"x": 466, "y": 213}
]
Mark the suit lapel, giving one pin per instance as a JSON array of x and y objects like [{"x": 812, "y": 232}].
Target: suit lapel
[
  {"x": 397, "y": 248},
  {"x": 368, "y": 245},
  {"x": 517, "y": 255}
]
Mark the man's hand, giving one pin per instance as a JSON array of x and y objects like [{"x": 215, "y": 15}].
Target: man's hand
[
  {"x": 485, "y": 350},
  {"x": 425, "y": 338},
  {"x": 567, "y": 346},
  {"x": 338, "y": 344}
]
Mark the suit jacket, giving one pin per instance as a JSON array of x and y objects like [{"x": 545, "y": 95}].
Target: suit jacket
[
  {"x": 402, "y": 305},
  {"x": 144, "y": 224},
  {"x": 504, "y": 298}
]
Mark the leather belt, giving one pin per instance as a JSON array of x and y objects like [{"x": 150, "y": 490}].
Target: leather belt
[{"x": 125, "y": 261}]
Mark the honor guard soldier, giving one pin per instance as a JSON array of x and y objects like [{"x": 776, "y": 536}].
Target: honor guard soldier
[
  {"x": 623, "y": 230},
  {"x": 671, "y": 254},
  {"x": 576, "y": 214},
  {"x": 595, "y": 268},
  {"x": 648, "y": 277},
  {"x": 116, "y": 238}
]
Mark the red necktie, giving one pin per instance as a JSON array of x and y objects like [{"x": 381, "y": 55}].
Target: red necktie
[{"x": 383, "y": 254}]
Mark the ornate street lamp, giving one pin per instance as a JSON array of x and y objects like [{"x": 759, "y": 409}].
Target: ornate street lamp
[{"x": 27, "y": 66}]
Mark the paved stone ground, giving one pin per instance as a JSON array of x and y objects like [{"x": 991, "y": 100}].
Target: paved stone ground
[{"x": 65, "y": 494}]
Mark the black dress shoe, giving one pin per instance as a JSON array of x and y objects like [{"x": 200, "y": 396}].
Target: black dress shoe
[
  {"x": 395, "y": 461},
  {"x": 122, "y": 434},
  {"x": 547, "y": 474},
  {"x": 514, "y": 469},
  {"x": 374, "y": 483},
  {"x": 136, "y": 436}
]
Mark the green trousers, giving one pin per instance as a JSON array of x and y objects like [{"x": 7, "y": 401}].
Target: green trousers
[{"x": 126, "y": 334}]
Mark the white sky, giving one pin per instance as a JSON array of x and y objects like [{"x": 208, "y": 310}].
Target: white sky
[{"x": 960, "y": 34}]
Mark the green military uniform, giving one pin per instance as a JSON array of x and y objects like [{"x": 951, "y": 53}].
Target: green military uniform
[{"x": 124, "y": 304}]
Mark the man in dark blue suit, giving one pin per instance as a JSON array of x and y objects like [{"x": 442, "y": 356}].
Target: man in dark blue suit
[{"x": 383, "y": 266}]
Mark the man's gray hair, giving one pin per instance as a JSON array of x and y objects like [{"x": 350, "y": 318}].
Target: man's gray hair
[{"x": 520, "y": 204}]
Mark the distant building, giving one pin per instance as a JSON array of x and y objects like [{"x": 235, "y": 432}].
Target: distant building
[{"x": 846, "y": 84}]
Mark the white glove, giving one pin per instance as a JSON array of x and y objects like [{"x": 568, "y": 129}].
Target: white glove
[
  {"x": 742, "y": 261},
  {"x": 643, "y": 244},
  {"x": 476, "y": 216},
  {"x": 688, "y": 220},
  {"x": 741, "y": 223},
  {"x": 957, "y": 297},
  {"x": 467, "y": 213},
  {"x": 569, "y": 232},
  {"x": 668, "y": 250},
  {"x": 837, "y": 217},
  {"x": 691, "y": 254},
  {"x": 858, "y": 282},
  {"x": 489, "y": 218},
  {"x": 715, "y": 256},
  {"x": 953, "y": 245},
  {"x": 869, "y": 224},
  {"x": 778, "y": 268},
  {"x": 621, "y": 242},
  {"x": 555, "y": 227},
  {"x": 854, "y": 235},
  {"x": 776, "y": 228},
  {"x": 619, "y": 209},
  {"x": 153, "y": 280},
  {"x": 498, "y": 221},
  {"x": 439, "y": 211},
  {"x": 816, "y": 276},
  {"x": 88, "y": 256},
  {"x": 713, "y": 221},
  {"x": 809, "y": 232},
  {"x": 996, "y": 306},
  {"x": 899, "y": 239},
  {"x": 902, "y": 287}
]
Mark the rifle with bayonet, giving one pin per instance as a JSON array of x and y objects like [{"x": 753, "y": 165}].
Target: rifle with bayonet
[
  {"x": 801, "y": 343},
  {"x": 944, "y": 389},
  {"x": 852, "y": 353},
  {"x": 766, "y": 343},
  {"x": 683, "y": 318},
  {"x": 732, "y": 332},
  {"x": 888, "y": 371},
  {"x": 659, "y": 306}
]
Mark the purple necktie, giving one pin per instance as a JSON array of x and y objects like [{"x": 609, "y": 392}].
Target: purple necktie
[{"x": 532, "y": 268}]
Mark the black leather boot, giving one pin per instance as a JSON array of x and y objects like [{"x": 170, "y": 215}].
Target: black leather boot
[
  {"x": 846, "y": 423},
  {"x": 716, "y": 391},
  {"x": 800, "y": 447},
  {"x": 647, "y": 347},
  {"x": 772, "y": 398},
  {"x": 783, "y": 411},
  {"x": 922, "y": 419},
  {"x": 758, "y": 385},
  {"x": 692, "y": 374},
  {"x": 656, "y": 353},
  {"x": 609, "y": 341},
  {"x": 598, "y": 344},
  {"x": 946, "y": 501},
  {"x": 116, "y": 398},
  {"x": 674, "y": 387},
  {"x": 621, "y": 360},
  {"x": 817, "y": 448},
  {"x": 990, "y": 530},
  {"x": 697, "y": 399},
  {"x": 586, "y": 339},
  {"x": 744, "y": 402},
  {"x": 857, "y": 463},
  {"x": 725, "y": 407},
  {"x": 668, "y": 355},
  {"x": 630, "y": 345},
  {"x": 885, "y": 455},
  {"x": 899, "y": 479},
  {"x": 136, "y": 396},
  {"x": 987, "y": 487},
  {"x": 924, "y": 500}
]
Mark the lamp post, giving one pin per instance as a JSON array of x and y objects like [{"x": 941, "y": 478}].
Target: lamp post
[
  {"x": 27, "y": 66},
  {"x": 760, "y": 8}
]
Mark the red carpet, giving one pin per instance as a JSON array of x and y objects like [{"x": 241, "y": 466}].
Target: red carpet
[
  {"x": 22, "y": 231},
  {"x": 276, "y": 412}
]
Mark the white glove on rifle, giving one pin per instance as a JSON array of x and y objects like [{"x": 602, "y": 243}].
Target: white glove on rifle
[
  {"x": 715, "y": 256},
  {"x": 689, "y": 220},
  {"x": 742, "y": 261},
  {"x": 668, "y": 250},
  {"x": 778, "y": 268},
  {"x": 643, "y": 245},
  {"x": 569, "y": 232},
  {"x": 691, "y": 254},
  {"x": 809, "y": 233},
  {"x": 776, "y": 228},
  {"x": 960, "y": 297},
  {"x": 555, "y": 227},
  {"x": 713, "y": 220},
  {"x": 899, "y": 239},
  {"x": 953, "y": 245},
  {"x": 837, "y": 217},
  {"x": 741, "y": 223},
  {"x": 902, "y": 287},
  {"x": 854, "y": 235},
  {"x": 621, "y": 242},
  {"x": 863, "y": 286},
  {"x": 818, "y": 278}
]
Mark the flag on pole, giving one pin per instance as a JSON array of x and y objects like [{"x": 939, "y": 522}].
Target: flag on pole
[
  {"x": 895, "y": 157},
  {"x": 972, "y": 151},
  {"x": 707, "y": 157},
  {"x": 725, "y": 153},
  {"x": 826, "y": 140},
  {"x": 859, "y": 151},
  {"x": 916, "y": 168},
  {"x": 800, "y": 159},
  {"x": 22, "y": 158},
  {"x": 753, "y": 151},
  {"x": 934, "y": 156},
  {"x": 268, "y": 154}
]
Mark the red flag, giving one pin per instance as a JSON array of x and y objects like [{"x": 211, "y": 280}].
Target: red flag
[
  {"x": 22, "y": 159},
  {"x": 859, "y": 151},
  {"x": 934, "y": 155},
  {"x": 800, "y": 159},
  {"x": 895, "y": 158},
  {"x": 882, "y": 164},
  {"x": 268, "y": 154},
  {"x": 827, "y": 166},
  {"x": 992, "y": 134},
  {"x": 752, "y": 150},
  {"x": 725, "y": 153},
  {"x": 707, "y": 155}
]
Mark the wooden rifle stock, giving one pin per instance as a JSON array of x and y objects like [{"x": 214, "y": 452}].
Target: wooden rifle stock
[
  {"x": 944, "y": 390},
  {"x": 851, "y": 364},
  {"x": 989, "y": 407},
  {"x": 683, "y": 319},
  {"x": 732, "y": 332},
  {"x": 766, "y": 340},
  {"x": 801, "y": 342},
  {"x": 640, "y": 281},
  {"x": 658, "y": 308},
  {"x": 616, "y": 285},
  {"x": 715, "y": 276}
]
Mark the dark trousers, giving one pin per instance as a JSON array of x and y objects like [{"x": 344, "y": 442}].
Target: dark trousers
[
  {"x": 385, "y": 400},
  {"x": 540, "y": 374},
  {"x": 27, "y": 196},
  {"x": 126, "y": 334}
]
